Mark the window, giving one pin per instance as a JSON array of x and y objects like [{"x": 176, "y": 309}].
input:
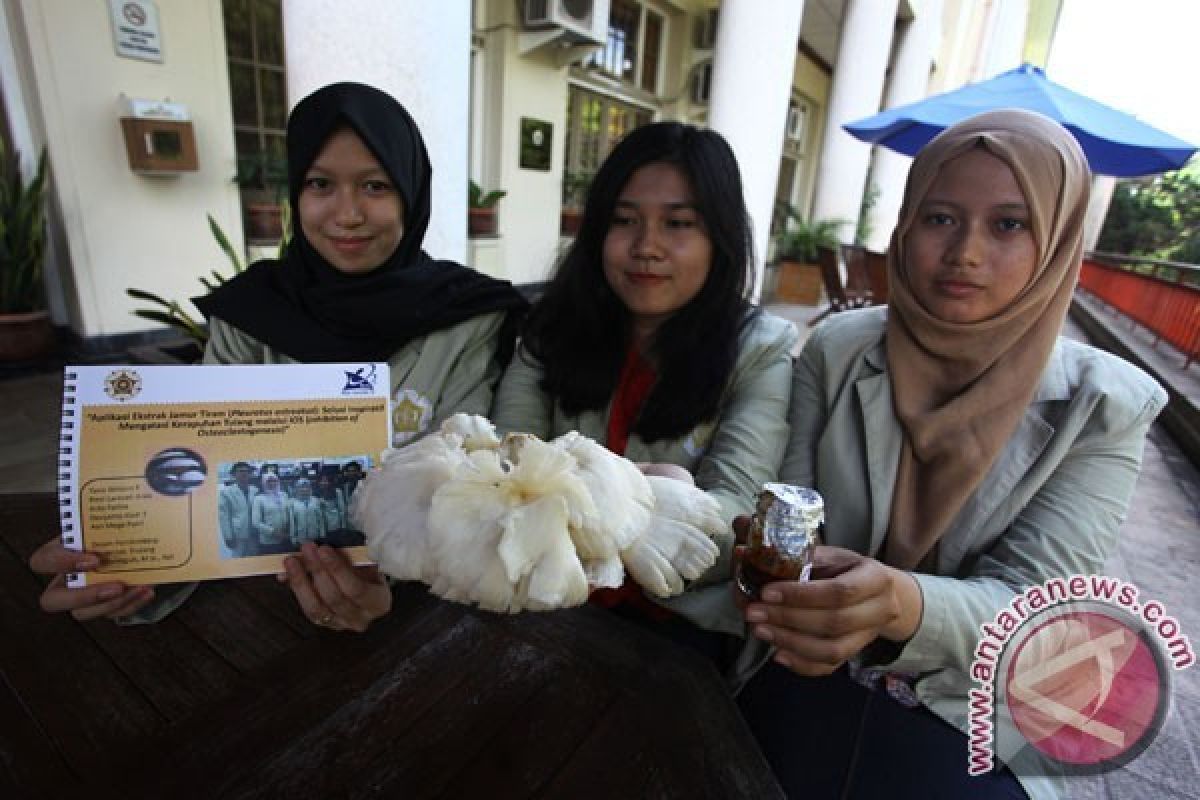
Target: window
[
  {"x": 799, "y": 120},
  {"x": 258, "y": 92},
  {"x": 595, "y": 123},
  {"x": 633, "y": 52}
]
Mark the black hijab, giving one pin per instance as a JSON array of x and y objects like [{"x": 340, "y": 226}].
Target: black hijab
[{"x": 302, "y": 306}]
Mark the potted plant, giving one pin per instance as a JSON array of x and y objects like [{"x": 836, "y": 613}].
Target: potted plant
[
  {"x": 575, "y": 188},
  {"x": 173, "y": 314},
  {"x": 796, "y": 252},
  {"x": 263, "y": 179},
  {"x": 25, "y": 329},
  {"x": 481, "y": 210}
]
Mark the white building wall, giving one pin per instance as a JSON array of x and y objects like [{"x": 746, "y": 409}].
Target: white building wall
[
  {"x": 123, "y": 229},
  {"x": 529, "y": 217},
  {"x": 417, "y": 52}
]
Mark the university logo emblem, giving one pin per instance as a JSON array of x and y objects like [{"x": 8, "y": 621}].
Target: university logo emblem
[
  {"x": 123, "y": 384},
  {"x": 360, "y": 381},
  {"x": 411, "y": 414}
]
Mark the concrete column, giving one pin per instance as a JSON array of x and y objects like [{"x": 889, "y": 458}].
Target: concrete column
[
  {"x": 1004, "y": 38},
  {"x": 909, "y": 83},
  {"x": 420, "y": 53},
  {"x": 753, "y": 68},
  {"x": 863, "y": 50},
  {"x": 1102, "y": 192}
]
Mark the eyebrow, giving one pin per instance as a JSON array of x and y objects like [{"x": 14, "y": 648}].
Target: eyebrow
[
  {"x": 674, "y": 205},
  {"x": 1013, "y": 206},
  {"x": 360, "y": 174}
]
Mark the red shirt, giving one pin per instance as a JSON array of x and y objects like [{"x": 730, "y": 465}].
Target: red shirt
[{"x": 633, "y": 387}]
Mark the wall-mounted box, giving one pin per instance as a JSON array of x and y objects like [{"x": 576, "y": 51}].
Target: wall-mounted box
[{"x": 158, "y": 137}]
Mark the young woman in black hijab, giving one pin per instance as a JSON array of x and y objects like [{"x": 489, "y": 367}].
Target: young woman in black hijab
[{"x": 353, "y": 285}]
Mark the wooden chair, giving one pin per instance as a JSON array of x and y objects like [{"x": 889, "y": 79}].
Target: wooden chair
[
  {"x": 854, "y": 294},
  {"x": 858, "y": 282},
  {"x": 877, "y": 275}
]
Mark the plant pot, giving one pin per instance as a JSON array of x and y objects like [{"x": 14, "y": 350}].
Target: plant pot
[
  {"x": 569, "y": 221},
  {"x": 481, "y": 221},
  {"x": 26, "y": 337},
  {"x": 799, "y": 283},
  {"x": 264, "y": 222}
]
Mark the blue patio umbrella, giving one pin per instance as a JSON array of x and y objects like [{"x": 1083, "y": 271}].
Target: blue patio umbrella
[{"x": 1115, "y": 143}]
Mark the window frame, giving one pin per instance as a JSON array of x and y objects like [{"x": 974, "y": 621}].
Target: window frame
[
  {"x": 593, "y": 67},
  {"x": 260, "y": 130}
]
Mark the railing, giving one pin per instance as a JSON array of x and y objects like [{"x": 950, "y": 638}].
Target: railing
[{"x": 1162, "y": 296}]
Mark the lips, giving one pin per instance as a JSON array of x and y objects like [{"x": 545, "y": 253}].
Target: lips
[
  {"x": 349, "y": 244},
  {"x": 645, "y": 279},
  {"x": 957, "y": 288}
]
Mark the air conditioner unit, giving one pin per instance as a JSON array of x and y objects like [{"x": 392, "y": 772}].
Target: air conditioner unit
[
  {"x": 579, "y": 20},
  {"x": 702, "y": 83}
]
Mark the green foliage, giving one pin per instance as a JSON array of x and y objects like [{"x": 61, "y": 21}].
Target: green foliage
[
  {"x": 863, "y": 230},
  {"x": 478, "y": 198},
  {"x": 1156, "y": 217},
  {"x": 575, "y": 188},
  {"x": 172, "y": 313},
  {"x": 22, "y": 235},
  {"x": 801, "y": 238},
  {"x": 263, "y": 170}
]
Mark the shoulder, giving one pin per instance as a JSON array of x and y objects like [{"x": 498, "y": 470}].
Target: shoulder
[
  {"x": 845, "y": 340},
  {"x": 220, "y": 329},
  {"x": 228, "y": 344},
  {"x": 763, "y": 327},
  {"x": 1121, "y": 393},
  {"x": 481, "y": 326},
  {"x": 765, "y": 335},
  {"x": 855, "y": 330}
]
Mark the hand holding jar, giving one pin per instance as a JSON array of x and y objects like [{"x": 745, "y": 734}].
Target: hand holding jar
[{"x": 817, "y": 605}]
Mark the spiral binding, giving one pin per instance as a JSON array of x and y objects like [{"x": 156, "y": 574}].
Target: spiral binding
[{"x": 67, "y": 499}]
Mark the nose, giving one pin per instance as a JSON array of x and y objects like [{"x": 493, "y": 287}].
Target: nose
[
  {"x": 646, "y": 244},
  {"x": 966, "y": 248},
  {"x": 349, "y": 213}
]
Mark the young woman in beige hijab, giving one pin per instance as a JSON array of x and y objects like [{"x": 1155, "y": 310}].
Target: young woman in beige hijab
[{"x": 964, "y": 451}]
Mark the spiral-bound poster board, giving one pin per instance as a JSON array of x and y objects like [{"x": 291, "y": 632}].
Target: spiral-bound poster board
[{"x": 183, "y": 473}]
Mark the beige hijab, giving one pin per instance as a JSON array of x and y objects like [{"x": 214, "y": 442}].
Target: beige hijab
[{"x": 959, "y": 390}]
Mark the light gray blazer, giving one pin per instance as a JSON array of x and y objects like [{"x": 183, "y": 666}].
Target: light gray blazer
[
  {"x": 730, "y": 459},
  {"x": 1049, "y": 508}
]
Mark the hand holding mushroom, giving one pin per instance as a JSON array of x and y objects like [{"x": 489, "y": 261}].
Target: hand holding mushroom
[{"x": 521, "y": 524}]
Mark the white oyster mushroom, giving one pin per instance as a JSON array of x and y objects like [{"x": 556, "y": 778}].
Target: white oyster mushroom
[
  {"x": 651, "y": 569},
  {"x": 477, "y": 432},
  {"x": 622, "y": 498},
  {"x": 393, "y": 504},
  {"x": 684, "y": 502},
  {"x": 519, "y": 523}
]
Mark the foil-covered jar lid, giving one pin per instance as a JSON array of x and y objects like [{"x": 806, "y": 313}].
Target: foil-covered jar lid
[{"x": 790, "y": 516}]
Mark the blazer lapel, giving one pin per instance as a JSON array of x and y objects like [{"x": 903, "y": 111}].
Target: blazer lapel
[
  {"x": 1027, "y": 442},
  {"x": 883, "y": 440}
]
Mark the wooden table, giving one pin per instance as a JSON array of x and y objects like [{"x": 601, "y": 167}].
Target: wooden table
[{"x": 237, "y": 695}]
